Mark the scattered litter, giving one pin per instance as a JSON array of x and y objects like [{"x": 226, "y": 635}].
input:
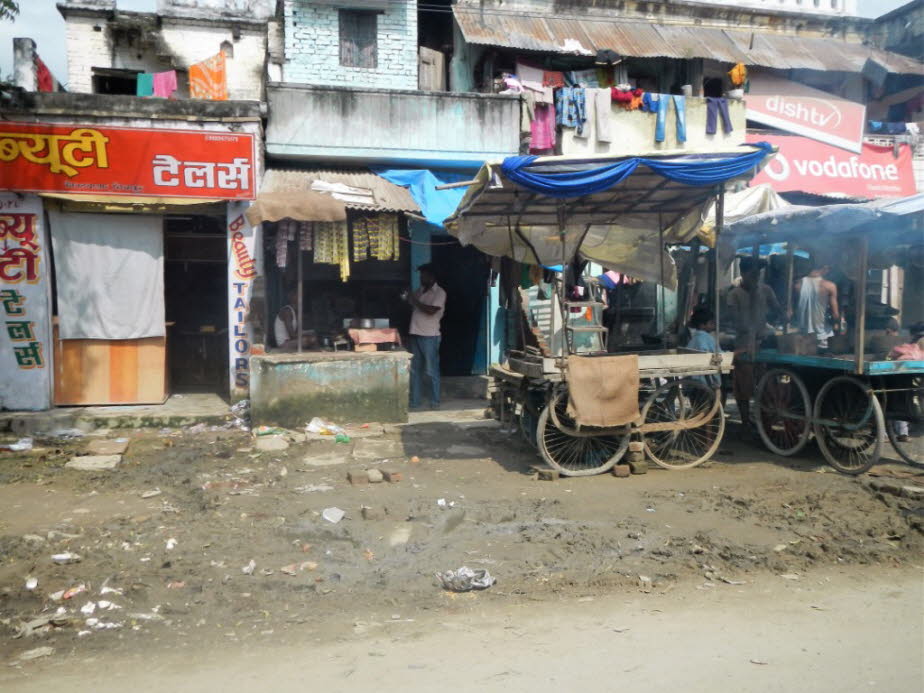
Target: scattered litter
[
  {"x": 312, "y": 488},
  {"x": 66, "y": 558},
  {"x": 780, "y": 547},
  {"x": 644, "y": 583},
  {"x": 443, "y": 503},
  {"x": 697, "y": 549},
  {"x": 36, "y": 653},
  {"x": 21, "y": 445},
  {"x": 620, "y": 630},
  {"x": 759, "y": 662},
  {"x": 324, "y": 428},
  {"x": 241, "y": 413},
  {"x": 333, "y": 515},
  {"x": 308, "y": 565},
  {"x": 415, "y": 459},
  {"x": 266, "y": 571},
  {"x": 31, "y": 583},
  {"x": 171, "y": 544},
  {"x": 291, "y": 569},
  {"x": 74, "y": 591},
  {"x": 649, "y": 509},
  {"x": 732, "y": 582},
  {"x": 342, "y": 438},
  {"x": 268, "y": 431},
  {"x": 818, "y": 608},
  {"x": 369, "y": 555},
  {"x": 465, "y": 579},
  {"x": 88, "y": 608},
  {"x": 249, "y": 568},
  {"x": 63, "y": 434},
  {"x": 153, "y": 493},
  {"x": 56, "y": 596},
  {"x": 107, "y": 605},
  {"x": 110, "y": 590},
  {"x": 789, "y": 576},
  {"x": 176, "y": 585}
]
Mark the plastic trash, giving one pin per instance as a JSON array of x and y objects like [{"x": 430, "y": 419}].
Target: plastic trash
[
  {"x": 171, "y": 544},
  {"x": 249, "y": 568},
  {"x": 269, "y": 431},
  {"x": 31, "y": 583},
  {"x": 66, "y": 558},
  {"x": 333, "y": 515},
  {"x": 324, "y": 428},
  {"x": 21, "y": 445},
  {"x": 465, "y": 579},
  {"x": 342, "y": 438}
]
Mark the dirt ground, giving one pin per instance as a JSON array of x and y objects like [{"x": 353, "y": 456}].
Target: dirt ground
[{"x": 172, "y": 570}]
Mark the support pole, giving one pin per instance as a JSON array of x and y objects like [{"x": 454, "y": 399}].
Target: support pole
[
  {"x": 661, "y": 321},
  {"x": 860, "y": 332},
  {"x": 719, "y": 227},
  {"x": 298, "y": 264},
  {"x": 790, "y": 266}
]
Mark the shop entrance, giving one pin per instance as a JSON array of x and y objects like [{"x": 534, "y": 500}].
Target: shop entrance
[
  {"x": 463, "y": 274},
  {"x": 195, "y": 302}
]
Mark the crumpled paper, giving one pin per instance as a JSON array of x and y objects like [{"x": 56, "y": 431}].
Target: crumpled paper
[{"x": 465, "y": 579}]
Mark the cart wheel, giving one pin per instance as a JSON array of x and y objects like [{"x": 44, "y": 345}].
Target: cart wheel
[
  {"x": 583, "y": 455},
  {"x": 689, "y": 424},
  {"x": 849, "y": 425},
  {"x": 783, "y": 412},
  {"x": 909, "y": 444}
]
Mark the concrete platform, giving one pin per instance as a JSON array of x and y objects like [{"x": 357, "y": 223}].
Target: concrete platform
[{"x": 178, "y": 411}]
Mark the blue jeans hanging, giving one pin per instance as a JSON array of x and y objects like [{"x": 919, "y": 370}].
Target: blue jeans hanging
[{"x": 680, "y": 114}]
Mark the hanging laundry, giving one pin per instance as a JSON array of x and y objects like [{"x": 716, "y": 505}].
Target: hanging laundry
[
  {"x": 546, "y": 96},
  {"x": 530, "y": 77},
  {"x": 738, "y": 74},
  {"x": 551, "y": 78},
  {"x": 342, "y": 238},
  {"x": 717, "y": 107},
  {"x": 570, "y": 109},
  {"x": 208, "y": 79},
  {"x": 165, "y": 83},
  {"x": 282, "y": 243},
  {"x": 543, "y": 128},
  {"x": 664, "y": 102},
  {"x": 43, "y": 77},
  {"x": 603, "y": 113},
  {"x": 145, "y": 84},
  {"x": 605, "y": 77}
]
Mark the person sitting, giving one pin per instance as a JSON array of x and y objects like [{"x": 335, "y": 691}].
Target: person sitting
[
  {"x": 701, "y": 326},
  {"x": 285, "y": 326}
]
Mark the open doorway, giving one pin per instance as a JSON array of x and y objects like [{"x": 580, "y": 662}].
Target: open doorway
[{"x": 195, "y": 302}]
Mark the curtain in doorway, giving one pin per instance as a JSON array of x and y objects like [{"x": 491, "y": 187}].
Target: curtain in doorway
[{"x": 109, "y": 272}]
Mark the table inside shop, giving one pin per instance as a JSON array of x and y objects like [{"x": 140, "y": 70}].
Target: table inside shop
[
  {"x": 289, "y": 389},
  {"x": 368, "y": 339}
]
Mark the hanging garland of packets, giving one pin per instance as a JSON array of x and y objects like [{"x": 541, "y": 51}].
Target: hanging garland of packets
[{"x": 375, "y": 237}]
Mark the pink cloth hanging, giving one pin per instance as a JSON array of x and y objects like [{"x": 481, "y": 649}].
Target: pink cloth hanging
[
  {"x": 165, "y": 83},
  {"x": 542, "y": 128}
]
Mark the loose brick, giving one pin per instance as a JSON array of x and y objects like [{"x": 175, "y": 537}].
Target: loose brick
[
  {"x": 391, "y": 476},
  {"x": 358, "y": 477},
  {"x": 622, "y": 471},
  {"x": 372, "y": 514}
]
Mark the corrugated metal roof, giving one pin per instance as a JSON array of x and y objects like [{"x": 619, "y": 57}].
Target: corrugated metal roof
[
  {"x": 547, "y": 34},
  {"x": 388, "y": 196}
]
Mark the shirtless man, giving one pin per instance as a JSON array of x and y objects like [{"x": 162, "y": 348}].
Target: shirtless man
[{"x": 816, "y": 296}]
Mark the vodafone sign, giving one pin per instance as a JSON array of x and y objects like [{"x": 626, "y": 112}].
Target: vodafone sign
[
  {"x": 805, "y": 111},
  {"x": 808, "y": 166}
]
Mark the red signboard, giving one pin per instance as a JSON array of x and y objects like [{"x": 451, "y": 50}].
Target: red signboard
[
  {"x": 802, "y": 110},
  {"x": 808, "y": 166},
  {"x": 132, "y": 162}
]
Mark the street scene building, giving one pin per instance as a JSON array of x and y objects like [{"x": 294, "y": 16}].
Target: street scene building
[{"x": 275, "y": 272}]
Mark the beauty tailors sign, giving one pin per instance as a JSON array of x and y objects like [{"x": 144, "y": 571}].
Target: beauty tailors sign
[{"x": 242, "y": 271}]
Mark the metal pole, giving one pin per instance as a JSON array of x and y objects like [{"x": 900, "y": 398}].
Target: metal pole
[
  {"x": 790, "y": 266},
  {"x": 298, "y": 264},
  {"x": 662, "y": 326},
  {"x": 860, "y": 333},
  {"x": 719, "y": 227}
]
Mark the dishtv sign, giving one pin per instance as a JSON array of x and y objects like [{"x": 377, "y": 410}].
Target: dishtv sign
[
  {"x": 804, "y": 165},
  {"x": 830, "y": 120}
]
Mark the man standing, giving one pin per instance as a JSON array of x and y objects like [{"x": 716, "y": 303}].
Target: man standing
[
  {"x": 816, "y": 296},
  {"x": 428, "y": 302},
  {"x": 749, "y": 304}
]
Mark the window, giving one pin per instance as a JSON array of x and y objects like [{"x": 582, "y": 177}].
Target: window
[{"x": 358, "y": 32}]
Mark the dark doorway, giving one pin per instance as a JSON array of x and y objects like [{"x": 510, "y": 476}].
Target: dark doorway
[{"x": 463, "y": 273}]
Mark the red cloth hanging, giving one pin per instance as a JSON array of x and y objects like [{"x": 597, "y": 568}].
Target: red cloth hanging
[{"x": 43, "y": 76}]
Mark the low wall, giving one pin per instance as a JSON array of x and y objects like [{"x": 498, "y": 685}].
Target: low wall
[{"x": 344, "y": 387}]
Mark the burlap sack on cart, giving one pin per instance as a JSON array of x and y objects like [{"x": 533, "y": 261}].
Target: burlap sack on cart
[{"x": 603, "y": 390}]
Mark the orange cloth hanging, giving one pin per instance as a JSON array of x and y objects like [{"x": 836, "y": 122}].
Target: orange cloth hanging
[
  {"x": 209, "y": 79},
  {"x": 738, "y": 74}
]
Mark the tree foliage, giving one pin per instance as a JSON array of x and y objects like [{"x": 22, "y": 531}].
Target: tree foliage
[{"x": 9, "y": 9}]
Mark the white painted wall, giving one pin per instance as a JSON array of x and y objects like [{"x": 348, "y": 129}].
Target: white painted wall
[
  {"x": 827, "y": 7},
  {"x": 312, "y": 47}
]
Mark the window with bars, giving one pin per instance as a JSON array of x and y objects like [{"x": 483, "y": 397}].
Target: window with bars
[{"x": 358, "y": 32}]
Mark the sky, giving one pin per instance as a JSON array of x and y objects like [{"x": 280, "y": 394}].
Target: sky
[{"x": 40, "y": 20}]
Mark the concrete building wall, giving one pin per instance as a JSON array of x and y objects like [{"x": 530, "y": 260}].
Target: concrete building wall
[
  {"x": 830, "y": 7},
  {"x": 901, "y": 30},
  {"x": 134, "y": 42},
  {"x": 312, "y": 47}
]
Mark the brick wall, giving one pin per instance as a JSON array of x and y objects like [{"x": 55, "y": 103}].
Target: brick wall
[
  {"x": 177, "y": 45},
  {"x": 312, "y": 47}
]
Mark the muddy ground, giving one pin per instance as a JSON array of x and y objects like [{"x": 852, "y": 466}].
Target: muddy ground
[{"x": 167, "y": 569}]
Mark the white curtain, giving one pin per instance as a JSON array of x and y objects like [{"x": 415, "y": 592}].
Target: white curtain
[{"x": 109, "y": 271}]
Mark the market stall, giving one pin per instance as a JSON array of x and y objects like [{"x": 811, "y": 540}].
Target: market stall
[
  {"x": 868, "y": 385},
  {"x": 582, "y": 410}
]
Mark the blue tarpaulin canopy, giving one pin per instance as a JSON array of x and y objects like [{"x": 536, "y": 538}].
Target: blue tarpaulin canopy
[{"x": 435, "y": 204}]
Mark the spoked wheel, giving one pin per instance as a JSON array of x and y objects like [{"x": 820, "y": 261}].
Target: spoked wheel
[
  {"x": 576, "y": 451},
  {"x": 682, "y": 424},
  {"x": 849, "y": 425},
  {"x": 783, "y": 412},
  {"x": 906, "y": 433}
]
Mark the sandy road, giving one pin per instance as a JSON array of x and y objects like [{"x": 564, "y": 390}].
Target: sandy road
[{"x": 854, "y": 630}]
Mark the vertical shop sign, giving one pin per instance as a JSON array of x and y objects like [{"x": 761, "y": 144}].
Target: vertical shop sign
[
  {"x": 242, "y": 270},
  {"x": 25, "y": 335}
]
